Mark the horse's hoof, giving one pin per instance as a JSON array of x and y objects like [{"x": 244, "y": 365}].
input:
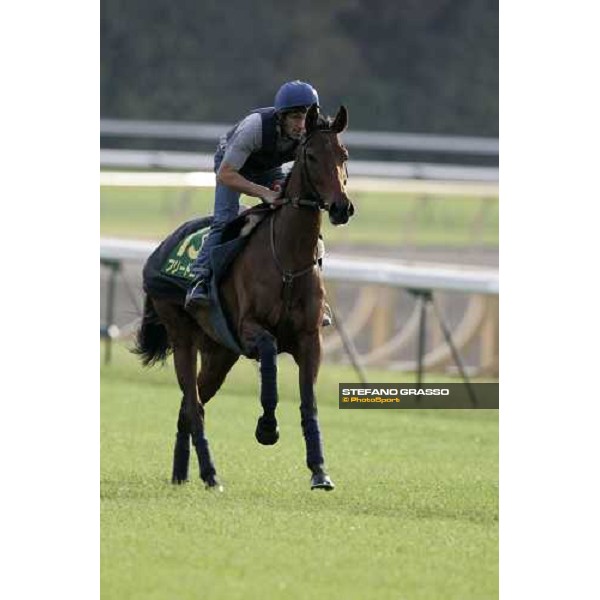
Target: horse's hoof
[
  {"x": 212, "y": 484},
  {"x": 320, "y": 481},
  {"x": 216, "y": 487},
  {"x": 266, "y": 436}
]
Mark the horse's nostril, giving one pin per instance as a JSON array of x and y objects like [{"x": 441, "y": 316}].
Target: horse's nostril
[{"x": 341, "y": 211}]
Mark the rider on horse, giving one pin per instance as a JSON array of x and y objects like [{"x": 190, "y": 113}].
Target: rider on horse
[{"x": 248, "y": 160}]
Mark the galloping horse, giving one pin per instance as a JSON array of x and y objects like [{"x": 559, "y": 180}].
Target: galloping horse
[{"x": 274, "y": 295}]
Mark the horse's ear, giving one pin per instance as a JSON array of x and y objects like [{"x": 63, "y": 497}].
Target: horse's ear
[
  {"x": 341, "y": 120},
  {"x": 312, "y": 116}
]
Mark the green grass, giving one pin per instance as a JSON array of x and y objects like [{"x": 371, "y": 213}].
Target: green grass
[
  {"x": 414, "y": 515},
  {"x": 382, "y": 218}
]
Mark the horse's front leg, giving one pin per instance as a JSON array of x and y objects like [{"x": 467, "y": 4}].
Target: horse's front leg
[
  {"x": 265, "y": 345},
  {"x": 308, "y": 357}
]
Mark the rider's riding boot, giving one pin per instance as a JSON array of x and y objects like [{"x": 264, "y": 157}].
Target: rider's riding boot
[
  {"x": 198, "y": 293},
  {"x": 327, "y": 320}
]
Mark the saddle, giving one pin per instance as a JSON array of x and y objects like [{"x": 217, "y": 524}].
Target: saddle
[{"x": 168, "y": 270}]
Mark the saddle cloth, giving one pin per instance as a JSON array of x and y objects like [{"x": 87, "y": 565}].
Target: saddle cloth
[{"x": 167, "y": 272}]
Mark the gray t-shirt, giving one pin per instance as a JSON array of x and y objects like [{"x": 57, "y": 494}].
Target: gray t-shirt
[{"x": 247, "y": 138}]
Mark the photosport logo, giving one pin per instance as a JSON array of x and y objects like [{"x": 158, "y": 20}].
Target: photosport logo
[{"x": 430, "y": 395}]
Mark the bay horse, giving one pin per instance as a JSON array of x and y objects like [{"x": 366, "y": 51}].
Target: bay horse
[{"x": 274, "y": 295}]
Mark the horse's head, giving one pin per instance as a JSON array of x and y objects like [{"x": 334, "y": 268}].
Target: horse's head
[{"x": 323, "y": 160}]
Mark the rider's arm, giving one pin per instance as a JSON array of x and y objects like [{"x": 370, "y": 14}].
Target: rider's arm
[
  {"x": 229, "y": 176},
  {"x": 246, "y": 139}
]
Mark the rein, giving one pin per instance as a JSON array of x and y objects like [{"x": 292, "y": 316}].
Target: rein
[
  {"x": 286, "y": 275},
  {"x": 315, "y": 202}
]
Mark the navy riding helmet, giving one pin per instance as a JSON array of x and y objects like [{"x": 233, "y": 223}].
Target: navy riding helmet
[{"x": 294, "y": 94}]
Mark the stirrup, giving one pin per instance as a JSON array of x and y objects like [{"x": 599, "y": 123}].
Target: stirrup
[{"x": 198, "y": 294}]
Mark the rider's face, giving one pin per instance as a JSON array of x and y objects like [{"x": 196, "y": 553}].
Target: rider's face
[{"x": 293, "y": 124}]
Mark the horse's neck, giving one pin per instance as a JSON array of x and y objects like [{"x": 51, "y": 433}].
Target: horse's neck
[
  {"x": 297, "y": 230},
  {"x": 296, "y": 236}
]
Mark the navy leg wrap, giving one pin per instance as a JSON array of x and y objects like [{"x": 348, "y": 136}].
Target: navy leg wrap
[
  {"x": 181, "y": 457},
  {"x": 207, "y": 468},
  {"x": 267, "y": 352},
  {"x": 312, "y": 437}
]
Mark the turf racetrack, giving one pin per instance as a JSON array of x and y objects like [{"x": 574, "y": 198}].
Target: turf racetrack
[{"x": 414, "y": 515}]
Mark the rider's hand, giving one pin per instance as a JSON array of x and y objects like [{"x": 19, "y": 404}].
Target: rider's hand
[{"x": 270, "y": 196}]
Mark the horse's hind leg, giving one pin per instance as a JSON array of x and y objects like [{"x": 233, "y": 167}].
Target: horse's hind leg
[
  {"x": 186, "y": 339},
  {"x": 216, "y": 361},
  {"x": 181, "y": 456},
  {"x": 179, "y": 325},
  {"x": 185, "y": 354}
]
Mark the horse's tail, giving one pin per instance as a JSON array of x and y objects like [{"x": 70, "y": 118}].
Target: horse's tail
[{"x": 152, "y": 343}]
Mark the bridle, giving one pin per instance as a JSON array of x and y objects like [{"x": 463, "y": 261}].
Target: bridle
[{"x": 315, "y": 202}]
